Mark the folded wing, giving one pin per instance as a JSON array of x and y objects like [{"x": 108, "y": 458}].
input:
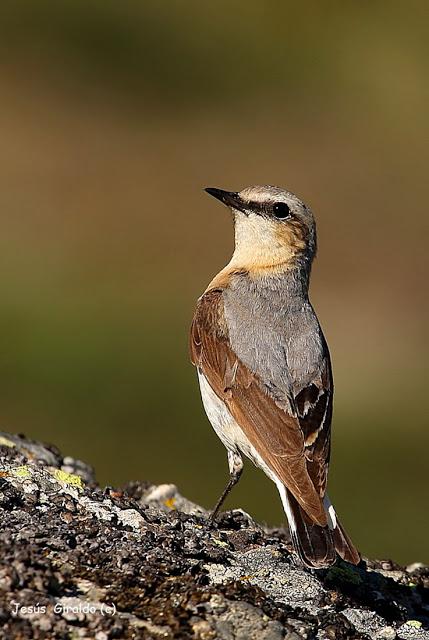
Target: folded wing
[{"x": 294, "y": 444}]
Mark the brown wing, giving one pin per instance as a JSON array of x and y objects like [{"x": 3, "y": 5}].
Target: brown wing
[{"x": 277, "y": 436}]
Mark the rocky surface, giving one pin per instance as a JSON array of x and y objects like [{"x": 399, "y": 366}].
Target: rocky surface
[{"x": 79, "y": 561}]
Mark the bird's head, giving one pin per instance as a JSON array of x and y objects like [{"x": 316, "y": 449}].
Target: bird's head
[{"x": 274, "y": 229}]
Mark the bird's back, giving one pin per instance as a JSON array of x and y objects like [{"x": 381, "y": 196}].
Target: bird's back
[{"x": 274, "y": 331}]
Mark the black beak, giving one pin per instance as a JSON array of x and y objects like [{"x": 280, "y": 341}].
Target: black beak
[{"x": 230, "y": 198}]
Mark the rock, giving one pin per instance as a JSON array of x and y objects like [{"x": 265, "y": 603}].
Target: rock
[
  {"x": 386, "y": 633},
  {"x": 369, "y": 623},
  {"x": 412, "y": 630},
  {"x": 142, "y": 561}
]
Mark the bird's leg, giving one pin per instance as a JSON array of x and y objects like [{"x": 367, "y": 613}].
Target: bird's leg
[{"x": 235, "y": 464}]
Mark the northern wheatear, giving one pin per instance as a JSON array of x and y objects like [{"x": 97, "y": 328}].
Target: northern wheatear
[{"x": 264, "y": 367}]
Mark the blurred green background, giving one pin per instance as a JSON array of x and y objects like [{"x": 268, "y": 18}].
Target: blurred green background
[{"x": 113, "y": 117}]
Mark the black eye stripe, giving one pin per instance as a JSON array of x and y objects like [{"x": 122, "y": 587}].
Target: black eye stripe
[
  {"x": 279, "y": 210},
  {"x": 260, "y": 208}
]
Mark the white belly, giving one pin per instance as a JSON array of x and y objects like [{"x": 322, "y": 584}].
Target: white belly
[{"x": 227, "y": 429}]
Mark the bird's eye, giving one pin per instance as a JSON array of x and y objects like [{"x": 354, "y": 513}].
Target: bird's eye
[{"x": 281, "y": 210}]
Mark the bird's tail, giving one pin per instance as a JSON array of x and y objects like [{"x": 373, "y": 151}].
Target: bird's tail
[{"x": 317, "y": 546}]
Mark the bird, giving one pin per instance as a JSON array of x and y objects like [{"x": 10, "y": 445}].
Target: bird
[{"x": 264, "y": 367}]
